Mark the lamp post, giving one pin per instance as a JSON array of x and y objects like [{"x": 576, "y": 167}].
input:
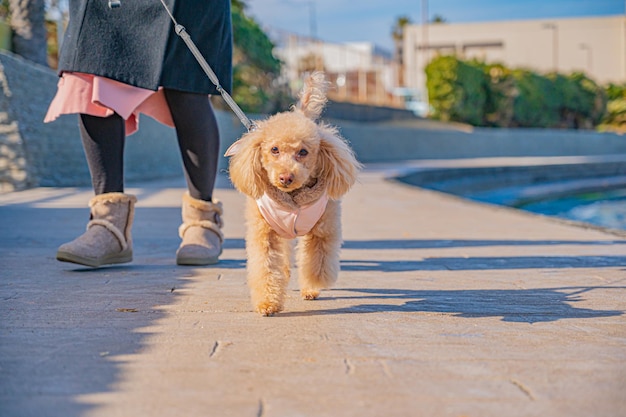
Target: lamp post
[
  {"x": 425, "y": 47},
  {"x": 312, "y": 19},
  {"x": 587, "y": 48},
  {"x": 555, "y": 44}
]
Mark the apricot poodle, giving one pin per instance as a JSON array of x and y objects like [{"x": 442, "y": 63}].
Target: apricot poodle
[{"x": 294, "y": 170}]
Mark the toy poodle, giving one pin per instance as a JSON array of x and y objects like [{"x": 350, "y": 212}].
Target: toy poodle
[{"x": 294, "y": 170}]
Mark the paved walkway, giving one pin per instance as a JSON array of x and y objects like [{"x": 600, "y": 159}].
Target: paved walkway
[{"x": 443, "y": 308}]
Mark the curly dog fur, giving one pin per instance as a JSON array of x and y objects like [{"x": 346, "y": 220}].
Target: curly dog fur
[{"x": 294, "y": 159}]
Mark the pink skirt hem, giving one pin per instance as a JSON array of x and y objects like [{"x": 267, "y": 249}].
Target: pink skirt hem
[{"x": 99, "y": 96}]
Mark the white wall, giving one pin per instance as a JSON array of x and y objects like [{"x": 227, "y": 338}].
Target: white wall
[
  {"x": 526, "y": 44},
  {"x": 337, "y": 58}
]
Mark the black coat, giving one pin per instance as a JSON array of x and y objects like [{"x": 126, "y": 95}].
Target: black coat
[{"x": 136, "y": 43}]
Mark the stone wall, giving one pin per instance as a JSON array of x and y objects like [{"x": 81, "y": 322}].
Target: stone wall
[
  {"x": 364, "y": 113},
  {"x": 388, "y": 143}
]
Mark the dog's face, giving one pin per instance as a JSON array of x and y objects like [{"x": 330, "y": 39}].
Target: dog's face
[{"x": 290, "y": 151}]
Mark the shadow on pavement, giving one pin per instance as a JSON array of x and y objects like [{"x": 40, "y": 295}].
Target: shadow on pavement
[
  {"x": 519, "y": 306},
  {"x": 64, "y": 327},
  {"x": 484, "y": 263},
  {"x": 442, "y": 243}
]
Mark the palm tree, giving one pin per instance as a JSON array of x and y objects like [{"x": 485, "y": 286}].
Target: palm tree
[
  {"x": 398, "y": 39},
  {"x": 27, "y": 19}
]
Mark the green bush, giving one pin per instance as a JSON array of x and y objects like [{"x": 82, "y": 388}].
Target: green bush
[
  {"x": 501, "y": 92},
  {"x": 585, "y": 101},
  {"x": 616, "y": 91},
  {"x": 538, "y": 101},
  {"x": 615, "y": 117},
  {"x": 456, "y": 90},
  {"x": 492, "y": 95},
  {"x": 616, "y": 113}
]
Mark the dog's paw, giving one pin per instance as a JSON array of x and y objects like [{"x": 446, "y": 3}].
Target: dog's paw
[
  {"x": 309, "y": 294},
  {"x": 268, "y": 309}
]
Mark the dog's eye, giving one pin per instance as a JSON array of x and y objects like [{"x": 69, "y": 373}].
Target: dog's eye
[
  {"x": 303, "y": 152},
  {"x": 275, "y": 150}
]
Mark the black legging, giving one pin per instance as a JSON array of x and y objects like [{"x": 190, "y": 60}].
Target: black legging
[{"x": 198, "y": 141}]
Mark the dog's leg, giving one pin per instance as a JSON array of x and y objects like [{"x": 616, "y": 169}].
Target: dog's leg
[
  {"x": 268, "y": 264},
  {"x": 318, "y": 253}
]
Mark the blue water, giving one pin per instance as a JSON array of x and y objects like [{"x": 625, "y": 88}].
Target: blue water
[{"x": 606, "y": 209}]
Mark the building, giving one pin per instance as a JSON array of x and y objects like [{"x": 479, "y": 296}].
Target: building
[
  {"x": 595, "y": 46},
  {"x": 360, "y": 72}
]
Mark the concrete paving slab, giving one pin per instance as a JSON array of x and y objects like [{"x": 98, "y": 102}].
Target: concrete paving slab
[{"x": 444, "y": 307}]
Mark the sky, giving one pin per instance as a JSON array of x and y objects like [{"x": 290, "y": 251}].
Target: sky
[{"x": 372, "y": 20}]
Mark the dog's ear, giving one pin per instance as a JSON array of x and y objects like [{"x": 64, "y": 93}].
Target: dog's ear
[
  {"x": 338, "y": 165},
  {"x": 313, "y": 95},
  {"x": 245, "y": 168}
]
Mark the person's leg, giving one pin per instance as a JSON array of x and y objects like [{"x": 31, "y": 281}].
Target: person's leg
[
  {"x": 108, "y": 236},
  {"x": 198, "y": 140},
  {"x": 199, "y": 143},
  {"x": 103, "y": 141}
]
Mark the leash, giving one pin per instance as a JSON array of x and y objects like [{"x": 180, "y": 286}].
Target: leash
[{"x": 182, "y": 33}]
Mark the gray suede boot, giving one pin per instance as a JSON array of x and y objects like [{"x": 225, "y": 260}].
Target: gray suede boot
[
  {"x": 201, "y": 232},
  {"x": 107, "y": 239}
]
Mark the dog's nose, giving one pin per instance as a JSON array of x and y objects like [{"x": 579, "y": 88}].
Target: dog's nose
[{"x": 285, "y": 179}]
